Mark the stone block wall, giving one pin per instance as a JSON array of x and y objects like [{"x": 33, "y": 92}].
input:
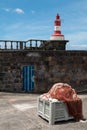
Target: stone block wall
[{"x": 50, "y": 67}]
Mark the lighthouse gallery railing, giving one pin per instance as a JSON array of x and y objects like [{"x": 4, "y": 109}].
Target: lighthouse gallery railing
[{"x": 21, "y": 45}]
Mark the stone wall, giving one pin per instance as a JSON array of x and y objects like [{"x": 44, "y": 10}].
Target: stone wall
[{"x": 50, "y": 67}]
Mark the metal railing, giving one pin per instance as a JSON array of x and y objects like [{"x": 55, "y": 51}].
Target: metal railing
[{"x": 32, "y": 44}]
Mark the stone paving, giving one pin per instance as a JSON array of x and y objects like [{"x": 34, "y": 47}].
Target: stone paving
[{"x": 19, "y": 112}]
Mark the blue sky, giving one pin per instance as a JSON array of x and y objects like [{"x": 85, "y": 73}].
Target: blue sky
[{"x": 26, "y": 19}]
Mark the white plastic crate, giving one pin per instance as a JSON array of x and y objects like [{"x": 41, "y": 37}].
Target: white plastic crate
[{"x": 53, "y": 110}]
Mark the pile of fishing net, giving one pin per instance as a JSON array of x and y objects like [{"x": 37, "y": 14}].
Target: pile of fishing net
[{"x": 64, "y": 92}]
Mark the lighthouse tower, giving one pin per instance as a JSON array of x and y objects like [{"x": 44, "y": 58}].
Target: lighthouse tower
[
  {"x": 57, "y": 40},
  {"x": 57, "y": 32}
]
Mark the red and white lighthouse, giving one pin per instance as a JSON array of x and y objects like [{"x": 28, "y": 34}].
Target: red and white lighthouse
[{"x": 57, "y": 32}]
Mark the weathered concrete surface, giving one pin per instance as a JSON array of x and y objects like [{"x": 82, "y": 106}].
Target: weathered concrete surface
[{"x": 19, "y": 112}]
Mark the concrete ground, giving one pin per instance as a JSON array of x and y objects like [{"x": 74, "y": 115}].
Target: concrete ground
[{"x": 19, "y": 112}]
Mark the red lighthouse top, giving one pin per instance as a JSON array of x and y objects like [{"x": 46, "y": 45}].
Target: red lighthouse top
[
  {"x": 57, "y": 16},
  {"x": 57, "y": 22}
]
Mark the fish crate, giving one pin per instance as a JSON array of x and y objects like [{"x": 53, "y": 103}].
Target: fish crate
[{"x": 53, "y": 110}]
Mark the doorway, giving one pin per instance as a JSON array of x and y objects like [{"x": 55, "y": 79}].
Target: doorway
[{"x": 28, "y": 78}]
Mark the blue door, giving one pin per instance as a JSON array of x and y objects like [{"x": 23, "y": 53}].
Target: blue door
[{"x": 28, "y": 78}]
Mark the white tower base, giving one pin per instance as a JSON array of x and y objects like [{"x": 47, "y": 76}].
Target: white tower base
[{"x": 57, "y": 38}]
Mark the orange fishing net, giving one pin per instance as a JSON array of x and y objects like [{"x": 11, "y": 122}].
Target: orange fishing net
[{"x": 65, "y": 93}]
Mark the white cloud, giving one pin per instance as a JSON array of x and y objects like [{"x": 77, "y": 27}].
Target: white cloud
[
  {"x": 77, "y": 36},
  {"x": 77, "y": 41},
  {"x": 19, "y": 11},
  {"x": 7, "y": 9},
  {"x": 39, "y": 27},
  {"x": 71, "y": 46},
  {"x": 14, "y": 26},
  {"x": 33, "y": 11}
]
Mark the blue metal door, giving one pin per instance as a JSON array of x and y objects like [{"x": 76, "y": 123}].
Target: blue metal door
[{"x": 28, "y": 78}]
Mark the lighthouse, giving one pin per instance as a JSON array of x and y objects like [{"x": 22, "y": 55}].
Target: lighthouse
[
  {"x": 57, "y": 29},
  {"x": 57, "y": 40}
]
